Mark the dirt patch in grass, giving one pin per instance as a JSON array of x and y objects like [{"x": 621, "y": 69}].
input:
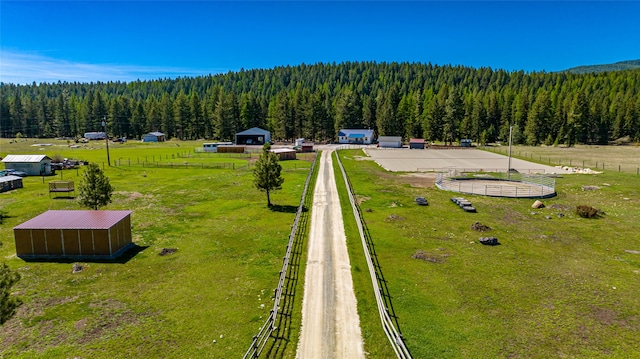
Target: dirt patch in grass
[
  {"x": 361, "y": 199},
  {"x": 132, "y": 196},
  {"x": 394, "y": 217},
  {"x": 513, "y": 217},
  {"x": 167, "y": 251},
  {"x": 430, "y": 257},
  {"x": 417, "y": 180},
  {"x": 562, "y": 207},
  {"x": 362, "y": 158},
  {"x": 480, "y": 227},
  {"x": 109, "y": 319}
]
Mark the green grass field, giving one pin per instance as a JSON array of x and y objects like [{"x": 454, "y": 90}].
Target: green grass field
[
  {"x": 558, "y": 286},
  {"x": 206, "y": 300}
]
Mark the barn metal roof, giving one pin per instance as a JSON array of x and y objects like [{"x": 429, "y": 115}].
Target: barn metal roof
[
  {"x": 255, "y": 131},
  {"x": 282, "y": 150},
  {"x": 349, "y": 132},
  {"x": 9, "y": 178},
  {"x": 74, "y": 220},
  {"x": 389, "y": 139},
  {"x": 25, "y": 158}
]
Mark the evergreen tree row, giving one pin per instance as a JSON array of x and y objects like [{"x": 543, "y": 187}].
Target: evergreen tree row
[{"x": 438, "y": 103}]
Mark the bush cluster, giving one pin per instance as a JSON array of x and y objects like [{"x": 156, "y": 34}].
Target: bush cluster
[{"x": 588, "y": 212}]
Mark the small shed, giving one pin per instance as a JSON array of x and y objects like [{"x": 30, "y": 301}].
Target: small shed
[
  {"x": 8, "y": 183},
  {"x": 306, "y": 147},
  {"x": 74, "y": 235},
  {"x": 32, "y": 165},
  {"x": 253, "y": 136},
  {"x": 356, "y": 136},
  {"x": 153, "y": 137},
  {"x": 416, "y": 143},
  {"x": 285, "y": 153},
  {"x": 390, "y": 141}
]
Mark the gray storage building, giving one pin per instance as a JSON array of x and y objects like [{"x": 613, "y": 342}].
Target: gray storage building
[
  {"x": 390, "y": 141},
  {"x": 253, "y": 136},
  {"x": 33, "y": 165}
]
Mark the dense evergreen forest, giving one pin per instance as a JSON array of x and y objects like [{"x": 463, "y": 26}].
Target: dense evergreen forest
[{"x": 438, "y": 103}]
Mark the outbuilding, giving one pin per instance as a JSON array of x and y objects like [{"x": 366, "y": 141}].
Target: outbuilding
[
  {"x": 390, "y": 141},
  {"x": 8, "y": 183},
  {"x": 253, "y": 136},
  {"x": 32, "y": 165},
  {"x": 95, "y": 135},
  {"x": 74, "y": 235},
  {"x": 356, "y": 136},
  {"x": 284, "y": 153},
  {"x": 153, "y": 137},
  {"x": 416, "y": 143}
]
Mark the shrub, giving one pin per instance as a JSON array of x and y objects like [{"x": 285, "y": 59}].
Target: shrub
[{"x": 588, "y": 212}]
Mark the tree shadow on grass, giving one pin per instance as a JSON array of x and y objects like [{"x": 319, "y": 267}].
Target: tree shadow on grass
[{"x": 286, "y": 208}]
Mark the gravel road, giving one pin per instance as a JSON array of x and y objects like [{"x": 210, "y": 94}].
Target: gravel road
[{"x": 330, "y": 322}]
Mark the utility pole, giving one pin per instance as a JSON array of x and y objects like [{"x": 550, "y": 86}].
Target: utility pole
[
  {"x": 510, "y": 138},
  {"x": 106, "y": 138}
]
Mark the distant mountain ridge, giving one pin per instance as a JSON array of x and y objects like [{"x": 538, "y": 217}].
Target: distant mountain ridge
[{"x": 618, "y": 66}]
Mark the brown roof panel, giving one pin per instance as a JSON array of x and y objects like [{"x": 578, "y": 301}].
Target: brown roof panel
[{"x": 74, "y": 220}]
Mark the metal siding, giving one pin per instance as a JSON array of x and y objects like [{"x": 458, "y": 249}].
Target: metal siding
[
  {"x": 23, "y": 241},
  {"x": 126, "y": 228},
  {"x": 86, "y": 244},
  {"x": 100, "y": 243},
  {"x": 71, "y": 245},
  {"x": 38, "y": 240},
  {"x": 54, "y": 241}
]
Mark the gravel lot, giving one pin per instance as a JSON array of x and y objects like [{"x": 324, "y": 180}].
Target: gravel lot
[{"x": 406, "y": 160}]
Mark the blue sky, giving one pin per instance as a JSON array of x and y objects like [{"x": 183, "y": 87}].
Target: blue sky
[{"x": 88, "y": 41}]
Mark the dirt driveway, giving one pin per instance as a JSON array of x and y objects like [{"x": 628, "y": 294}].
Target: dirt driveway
[{"x": 330, "y": 322}]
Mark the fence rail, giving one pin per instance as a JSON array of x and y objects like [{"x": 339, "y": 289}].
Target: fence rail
[
  {"x": 388, "y": 318},
  {"x": 503, "y": 185},
  {"x": 562, "y": 160},
  {"x": 261, "y": 340}
]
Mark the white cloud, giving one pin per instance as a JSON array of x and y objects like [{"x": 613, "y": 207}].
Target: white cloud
[{"x": 22, "y": 68}]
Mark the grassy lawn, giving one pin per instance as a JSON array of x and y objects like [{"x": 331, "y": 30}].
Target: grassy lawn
[
  {"x": 206, "y": 300},
  {"x": 558, "y": 286}
]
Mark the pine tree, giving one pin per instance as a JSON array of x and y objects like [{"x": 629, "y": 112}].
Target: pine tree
[
  {"x": 8, "y": 303},
  {"x": 95, "y": 190},
  {"x": 454, "y": 112},
  {"x": 266, "y": 174}
]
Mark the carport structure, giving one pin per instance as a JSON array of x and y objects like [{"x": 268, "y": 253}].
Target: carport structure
[{"x": 74, "y": 235}]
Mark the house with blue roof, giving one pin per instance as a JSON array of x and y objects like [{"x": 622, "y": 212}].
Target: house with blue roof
[{"x": 356, "y": 136}]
